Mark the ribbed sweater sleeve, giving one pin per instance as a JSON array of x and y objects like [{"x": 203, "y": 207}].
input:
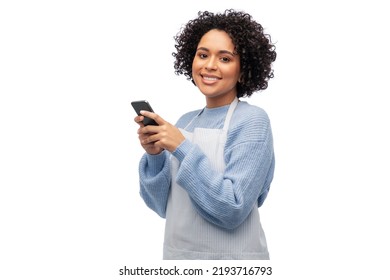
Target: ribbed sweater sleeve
[{"x": 155, "y": 181}]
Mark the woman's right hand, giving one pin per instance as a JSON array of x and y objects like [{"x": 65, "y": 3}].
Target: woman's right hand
[{"x": 150, "y": 148}]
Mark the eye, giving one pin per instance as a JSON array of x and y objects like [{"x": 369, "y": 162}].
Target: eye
[
  {"x": 202, "y": 55},
  {"x": 225, "y": 59}
]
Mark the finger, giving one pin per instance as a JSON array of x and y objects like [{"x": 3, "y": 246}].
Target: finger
[
  {"x": 139, "y": 120},
  {"x": 151, "y": 138},
  {"x": 150, "y": 129},
  {"x": 147, "y": 141},
  {"x": 153, "y": 116}
]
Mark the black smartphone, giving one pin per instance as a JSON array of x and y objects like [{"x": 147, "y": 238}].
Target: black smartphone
[{"x": 143, "y": 105}]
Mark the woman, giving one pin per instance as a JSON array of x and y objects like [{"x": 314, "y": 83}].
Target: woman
[{"x": 209, "y": 174}]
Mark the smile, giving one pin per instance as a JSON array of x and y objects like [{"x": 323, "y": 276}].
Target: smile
[{"x": 210, "y": 78}]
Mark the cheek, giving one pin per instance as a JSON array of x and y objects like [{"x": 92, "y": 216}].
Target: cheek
[
  {"x": 234, "y": 73},
  {"x": 237, "y": 72},
  {"x": 195, "y": 64},
  {"x": 194, "y": 71}
]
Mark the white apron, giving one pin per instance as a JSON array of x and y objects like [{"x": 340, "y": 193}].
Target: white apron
[{"x": 187, "y": 234}]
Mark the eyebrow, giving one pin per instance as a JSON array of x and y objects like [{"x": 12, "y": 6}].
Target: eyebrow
[{"x": 221, "y": 51}]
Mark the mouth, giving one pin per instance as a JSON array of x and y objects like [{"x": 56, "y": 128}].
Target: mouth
[{"x": 209, "y": 78}]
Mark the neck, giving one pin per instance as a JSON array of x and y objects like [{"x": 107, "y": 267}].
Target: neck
[{"x": 216, "y": 102}]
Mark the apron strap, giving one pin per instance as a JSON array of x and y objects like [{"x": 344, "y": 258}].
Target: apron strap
[{"x": 229, "y": 114}]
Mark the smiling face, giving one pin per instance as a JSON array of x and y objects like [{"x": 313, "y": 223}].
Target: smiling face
[{"x": 216, "y": 68}]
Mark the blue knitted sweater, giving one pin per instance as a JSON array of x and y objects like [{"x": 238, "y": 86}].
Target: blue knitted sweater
[{"x": 227, "y": 198}]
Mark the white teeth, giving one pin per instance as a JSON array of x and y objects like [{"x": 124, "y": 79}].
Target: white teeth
[{"x": 210, "y": 78}]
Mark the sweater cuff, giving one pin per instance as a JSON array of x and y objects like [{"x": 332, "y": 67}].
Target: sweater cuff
[
  {"x": 155, "y": 162},
  {"x": 182, "y": 150}
]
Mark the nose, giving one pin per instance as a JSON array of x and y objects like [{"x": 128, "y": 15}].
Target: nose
[{"x": 211, "y": 64}]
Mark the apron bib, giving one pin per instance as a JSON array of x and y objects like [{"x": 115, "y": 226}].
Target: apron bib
[{"x": 187, "y": 234}]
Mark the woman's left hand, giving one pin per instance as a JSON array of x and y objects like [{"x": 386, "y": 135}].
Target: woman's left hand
[{"x": 163, "y": 135}]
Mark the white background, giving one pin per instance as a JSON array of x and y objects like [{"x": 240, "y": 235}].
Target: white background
[{"x": 69, "y": 202}]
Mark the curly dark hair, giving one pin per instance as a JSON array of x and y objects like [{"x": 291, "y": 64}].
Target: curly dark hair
[{"x": 254, "y": 47}]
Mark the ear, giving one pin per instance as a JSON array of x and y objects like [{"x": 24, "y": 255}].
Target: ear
[{"x": 241, "y": 77}]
